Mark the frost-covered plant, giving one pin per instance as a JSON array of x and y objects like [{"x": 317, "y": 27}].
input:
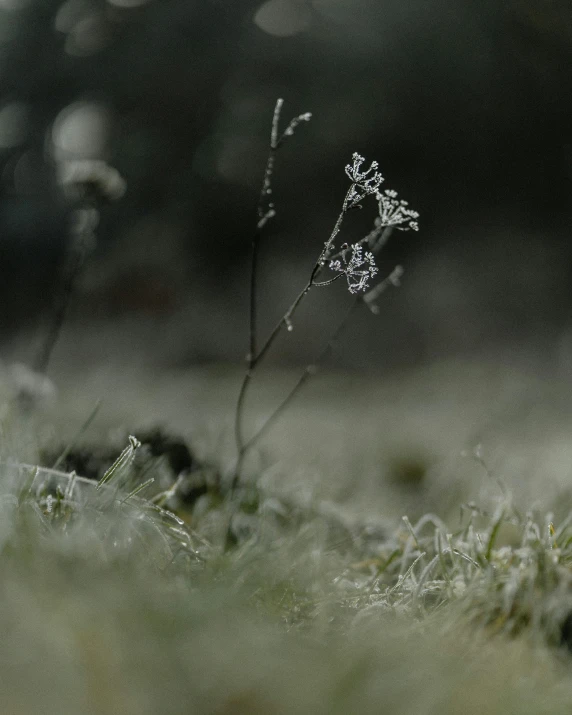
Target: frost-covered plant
[
  {"x": 355, "y": 261},
  {"x": 364, "y": 183},
  {"x": 394, "y": 212},
  {"x": 79, "y": 512},
  {"x": 358, "y": 269},
  {"x": 505, "y": 572}
]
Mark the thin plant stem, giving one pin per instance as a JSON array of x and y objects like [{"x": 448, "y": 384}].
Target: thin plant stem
[
  {"x": 265, "y": 211},
  {"x": 84, "y": 427},
  {"x": 238, "y": 420},
  {"x": 286, "y": 321},
  {"x": 352, "y": 200},
  {"x": 253, "y": 363},
  {"x": 309, "y": 371},
  {"x": 254, "y": 359},
  {"x": 253, "y": 293},
  {"x": 89, "y": 183},
  {"x": 312, "y": 368},
  {"x": 76, "y": 260},
  {"x": 328, "y": 283}
]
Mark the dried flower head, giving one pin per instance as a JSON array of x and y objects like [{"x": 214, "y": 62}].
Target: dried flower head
[
  {"x": 358, "y": 269},
  {"x": 394, "y": 212},
  {"x": 364, "y": 183}
]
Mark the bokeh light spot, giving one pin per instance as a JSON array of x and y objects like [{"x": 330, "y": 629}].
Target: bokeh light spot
[
  {"x": 283, "y": 18},
  {"x": 81, "y": 131},
  {"x": 14, "y": 5}
]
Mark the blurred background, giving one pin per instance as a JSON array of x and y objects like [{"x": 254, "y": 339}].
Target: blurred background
[
  {"x": 467, "y": 107},
  {"x": 466, "y": 104}
]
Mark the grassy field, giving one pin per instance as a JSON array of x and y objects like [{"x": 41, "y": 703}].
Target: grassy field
[{"x": 325, "y": 599}]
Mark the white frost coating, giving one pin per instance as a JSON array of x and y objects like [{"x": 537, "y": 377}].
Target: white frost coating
[
  {"x": 358, "y": 269},
  {"x": 294, "y": 123},
  {"x": 394, "y": 212},
  {"x": 283, "y": 18},
  {"x": 364, "y": 183}
]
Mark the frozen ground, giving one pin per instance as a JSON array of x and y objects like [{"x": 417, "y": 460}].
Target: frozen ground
[
  {"x": 390, "y": 445},
  {"x": 95, "y": 627}
]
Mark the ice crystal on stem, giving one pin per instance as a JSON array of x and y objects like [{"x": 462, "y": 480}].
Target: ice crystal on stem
[
  {"x": 294, "y": 123},
  {"x": 358, "y": 269}
]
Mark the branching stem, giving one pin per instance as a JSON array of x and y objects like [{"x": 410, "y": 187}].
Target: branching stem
[
  {"x": 360, "y": 187},
  {"x": 255, "y": 358},
  {"x": 311, "y": 369}
]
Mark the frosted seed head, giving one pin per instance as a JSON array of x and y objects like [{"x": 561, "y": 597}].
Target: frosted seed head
[
  {"x": 364, "y": 182},
  {"x": 358, "y": 268},
  {"x": 395, "y": 212}
]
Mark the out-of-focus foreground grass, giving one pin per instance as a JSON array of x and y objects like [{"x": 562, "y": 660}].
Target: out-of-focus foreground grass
[{"x": 329, "y": 601}]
